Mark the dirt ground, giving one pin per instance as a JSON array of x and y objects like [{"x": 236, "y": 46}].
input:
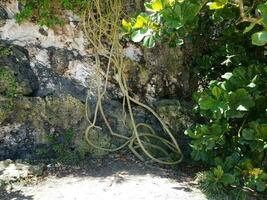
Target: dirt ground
[{"x": 112, "y": 177}]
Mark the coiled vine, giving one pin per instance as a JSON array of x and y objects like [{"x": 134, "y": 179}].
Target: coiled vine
[{"x": 102, "y": 28}]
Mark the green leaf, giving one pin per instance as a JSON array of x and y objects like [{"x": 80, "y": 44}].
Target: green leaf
[
  {"x": 261, "y": 186},
  {"x": 240, "y": 100},
  {"x": 259, "y": 38},
  {"x": 251, "y": 85},
  {"x": 192, "y": 134},
  {"x": 228, "y": 179},
  {"x": 261, "y": 130},
  {"x": 218, "y": 171},
  {"x": 223, "y": 1},
  {"x": 174, "y": 23},
  {"x": 216, "y": 129},
  {"x": 189, "y": 11},
  {"x": 241, "y": 108},
  {"x": 206, "y": 102},
  {"x": 249, "y": 28},
  {"x": 148, "y": 6},
  {"x": 262, "y": 9},
  {"x": 179, "y": 42},
  {"x": 227, "y": 75},
  {"x": 149, "y": 41},
  {"x": 248, "y": 134},
  {"x": 216, "y": 91},
  {"x": 137, "y": 36}
]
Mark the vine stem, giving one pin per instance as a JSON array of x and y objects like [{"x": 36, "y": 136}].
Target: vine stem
[{"x": 101, "y": 28}]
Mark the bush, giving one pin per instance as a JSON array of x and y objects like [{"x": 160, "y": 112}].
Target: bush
[
  {"x": 229, "y": 57},
  {"x": 234, "y": 135}
]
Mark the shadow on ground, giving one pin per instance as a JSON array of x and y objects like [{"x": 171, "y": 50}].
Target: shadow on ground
[
  {"x": 114, "y": 163},
  {"x": 15, "y": 195},
  {"x": 110, "y": 174}
]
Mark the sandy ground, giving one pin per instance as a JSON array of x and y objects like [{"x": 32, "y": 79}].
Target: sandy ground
[{"x": 106, "y": 179}]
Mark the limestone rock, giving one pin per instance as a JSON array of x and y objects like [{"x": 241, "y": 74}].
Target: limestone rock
[
  {"x": 3, "y": 16},
  {"x": 47, "y": 74},
  {"x": 32, "y": 119},
  {"x": 15, "y": 59},
  {"x": 179, "y": 117},
  {"x": 13, "y": 171},
  {"x": 157, "y": 73},
  {"x": 60, "y": 59}
]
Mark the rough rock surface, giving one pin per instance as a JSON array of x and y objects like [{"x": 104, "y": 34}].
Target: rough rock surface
[
  {"x": 157, "y": 73},
  {"x": 45, "y": 75},
  {"x": 33, "y": 119},
  {"x": 11, "y": 171}
]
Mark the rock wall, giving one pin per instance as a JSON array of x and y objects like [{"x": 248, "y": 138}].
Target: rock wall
[{"x": 45, "y": 75}]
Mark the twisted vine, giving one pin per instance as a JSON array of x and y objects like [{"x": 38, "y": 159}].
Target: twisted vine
[{"x": 101, "y": 26}]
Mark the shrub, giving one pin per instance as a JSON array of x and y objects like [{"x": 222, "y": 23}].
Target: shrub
[
  {"x": 229, "y": 57},
  {"x": 233, "y": 137}
]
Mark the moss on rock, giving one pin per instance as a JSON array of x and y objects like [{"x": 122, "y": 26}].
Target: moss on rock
[{"x": 42, "y": 117}]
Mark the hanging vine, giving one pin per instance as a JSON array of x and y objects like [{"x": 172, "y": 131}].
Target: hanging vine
[{"x": 101, "y": 26}]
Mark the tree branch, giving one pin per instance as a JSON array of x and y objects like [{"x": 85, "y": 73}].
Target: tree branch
[{"x": 243, "y": 15}]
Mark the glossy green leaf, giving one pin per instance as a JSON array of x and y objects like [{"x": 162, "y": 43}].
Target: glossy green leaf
[
  {"x": 228, "y": 179},
  {"x": 218, "y": 171},
  {"x": 227, "y": 75},
  {"x": 149, "y": 41},
  {"x": 248, "y": 134},
  {"x": 249, "y": 28},
  {"x": 259, "y": 38},
  {"x": 261, "y": 186},
  {"x": 241, "y": 99},
  {"x": 138, "y": 36},
  {"x": 216, "y": 91},
  {"x": 206, "y": 102}
]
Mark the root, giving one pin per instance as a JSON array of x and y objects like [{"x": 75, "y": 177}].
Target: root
[{"x": 101, "y": 26}]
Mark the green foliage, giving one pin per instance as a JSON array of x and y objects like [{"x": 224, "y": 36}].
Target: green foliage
[
  {"x": 233, "y": 107},
  {"x": 215, "y": 182},
  {"x": 61, "y": 147},
  {"x": 258, "y": 38},
  {"x": 48, "y": 12},
  {"x": 9, "y": 85},
  {"x": 235, "y": 132},
  {"x": 4, "y": 51},
  {"x": 229, "y": 36},
  {"x": 8, "y": 78},
  {"x": 169, "y": 21}
]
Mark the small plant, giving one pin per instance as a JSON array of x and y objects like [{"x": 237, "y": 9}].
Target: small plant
[
  {"x": 9, "y": 86},
  {"x": 4, "y": 51},
  {"x": 61, "y": 147},
  {"x": 8, "y": 80},
  {"x": 48, "y": 12}
]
